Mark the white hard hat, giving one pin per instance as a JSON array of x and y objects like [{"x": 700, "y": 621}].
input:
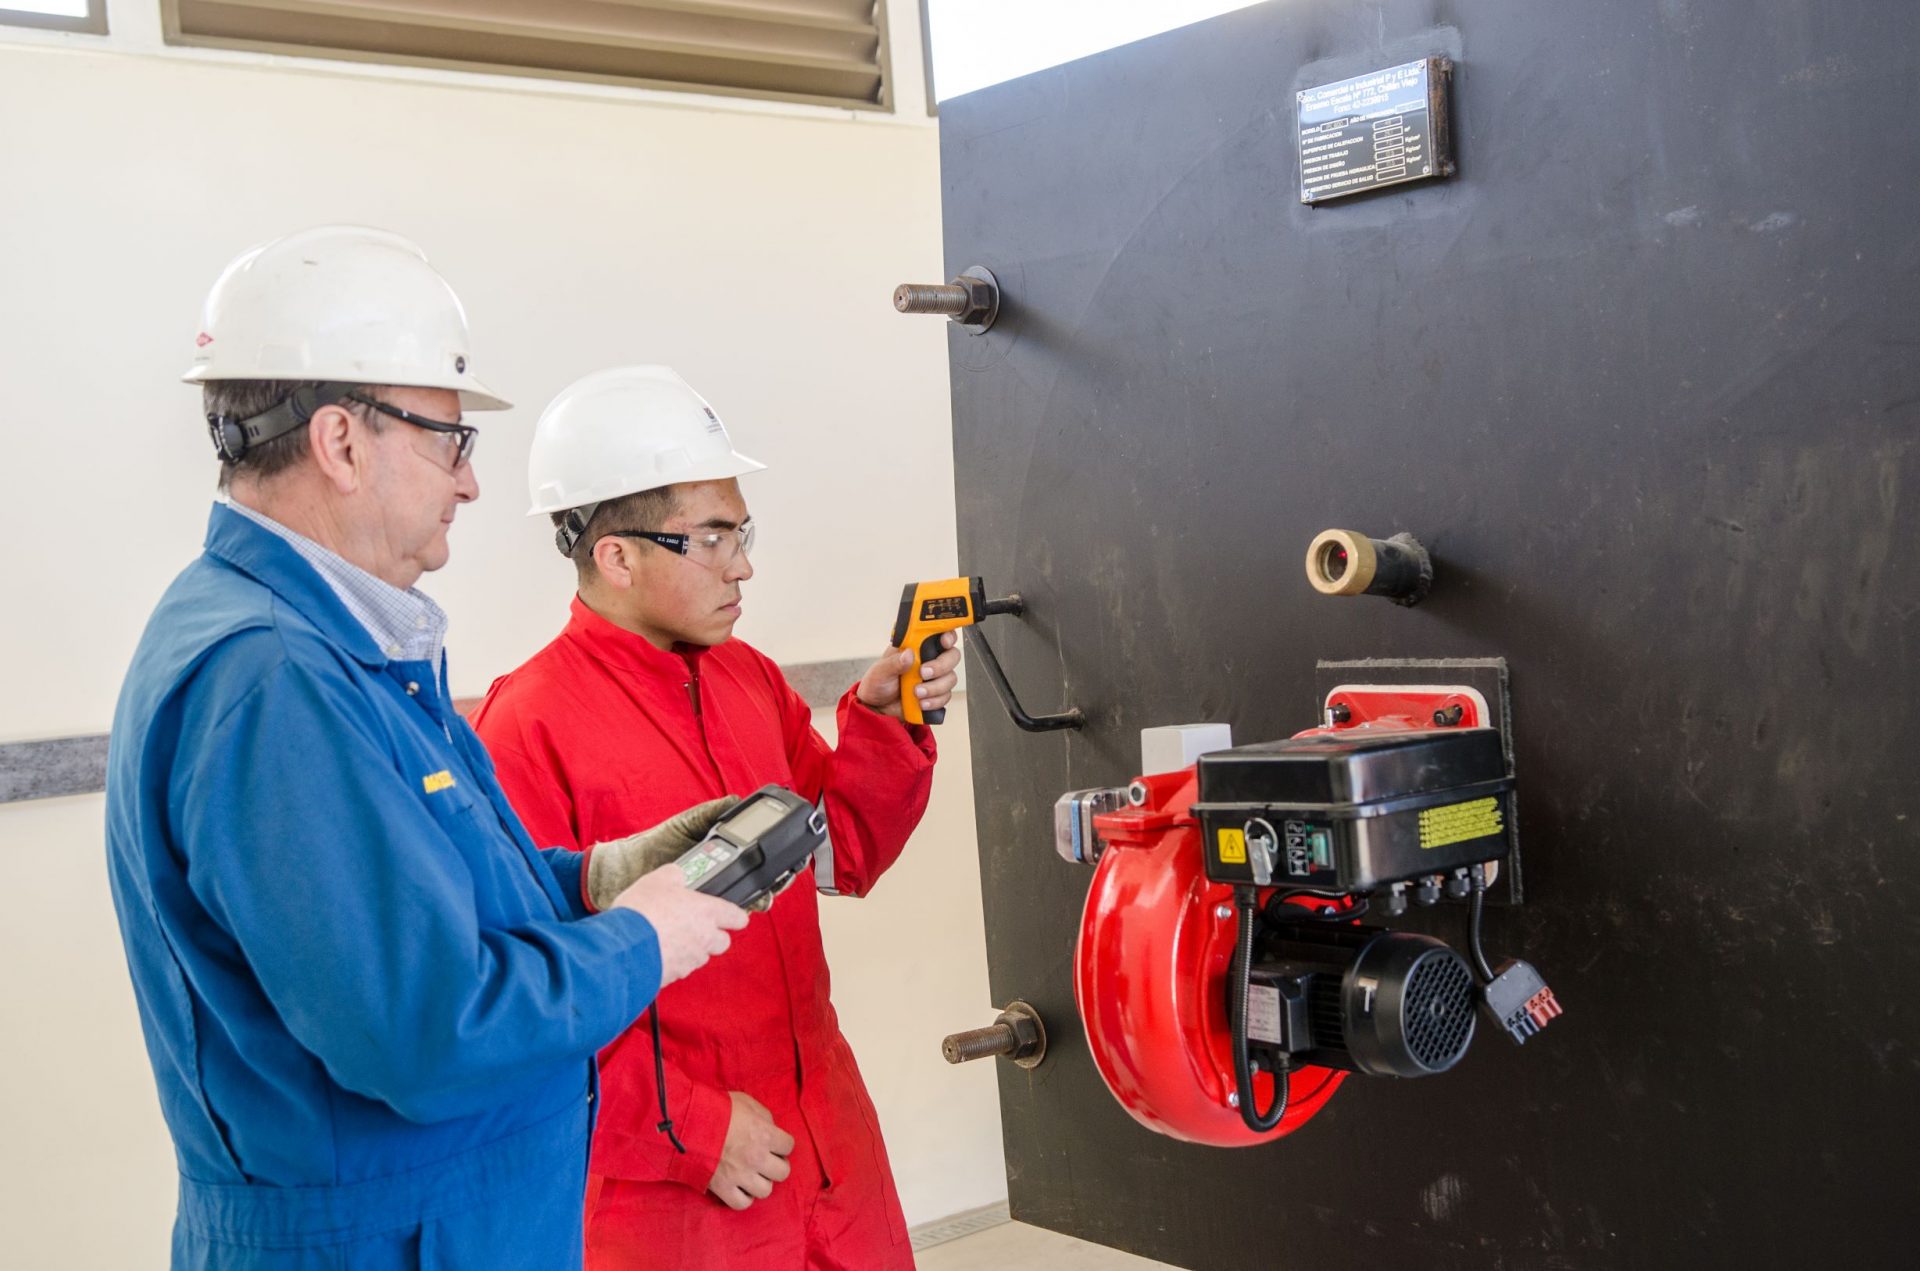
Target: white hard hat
[
  {"x": 338, "y": 304},
  {"x": 622, "y": 431}
]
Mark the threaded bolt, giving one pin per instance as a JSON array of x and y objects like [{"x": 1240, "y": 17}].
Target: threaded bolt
[
  {"x": 971, "y": 300},
  {"x": 929, "y": 297},
  {"x": 979, "y": 1043},
  {"x": 1017, "y": 1033}
]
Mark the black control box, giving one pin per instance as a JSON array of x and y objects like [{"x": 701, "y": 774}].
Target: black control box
[{"x": 1352, "y": 811}]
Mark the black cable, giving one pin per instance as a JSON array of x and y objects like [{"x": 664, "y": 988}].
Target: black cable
[
  {"x": 660, "y": 1082},
  {"x": 1279, "y": 912},
  {"x": 1281, "y": 893},
  {"x": 1479, "y": 876},
  {"x": 1239, "y": 980}
]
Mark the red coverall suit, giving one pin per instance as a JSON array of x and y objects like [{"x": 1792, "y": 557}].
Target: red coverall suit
[{"x": 601, "y": 734}]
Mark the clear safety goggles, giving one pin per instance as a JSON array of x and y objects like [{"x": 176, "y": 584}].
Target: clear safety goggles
[{"x": 715, "y": 549}]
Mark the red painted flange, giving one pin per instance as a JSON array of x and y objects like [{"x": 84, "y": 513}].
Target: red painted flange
[{"x": 1150, "y": 975}]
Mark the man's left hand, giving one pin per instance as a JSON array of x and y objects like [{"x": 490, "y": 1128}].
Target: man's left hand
[
  {"x": 879, "y": 688},
  {"x": 617, "y": 864}
]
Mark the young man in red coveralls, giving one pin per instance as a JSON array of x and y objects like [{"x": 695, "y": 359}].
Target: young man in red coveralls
[{"x": 768, "y": 1154}]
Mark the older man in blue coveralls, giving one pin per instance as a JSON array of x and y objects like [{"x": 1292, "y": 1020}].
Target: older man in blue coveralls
[{"x": 372, "y": 1004}]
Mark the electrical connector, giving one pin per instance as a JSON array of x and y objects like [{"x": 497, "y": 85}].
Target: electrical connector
[{"x": 1519, "y": 1001}]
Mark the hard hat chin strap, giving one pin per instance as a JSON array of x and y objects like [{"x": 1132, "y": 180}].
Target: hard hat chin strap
[
  {"x": 572, "y": 525},
  {"x": 233, "y": 438}
]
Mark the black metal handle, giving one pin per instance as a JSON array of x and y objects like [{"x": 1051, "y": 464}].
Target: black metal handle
[{"x": 1069, "y": 718}]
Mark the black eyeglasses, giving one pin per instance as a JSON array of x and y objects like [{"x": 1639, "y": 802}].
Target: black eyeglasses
[
  {"x": 715, "y": 549},
  {"x": 467, "y": 437}
]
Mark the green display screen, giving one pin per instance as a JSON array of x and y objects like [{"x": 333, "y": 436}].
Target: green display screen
[{"x": 755, "y": 819}]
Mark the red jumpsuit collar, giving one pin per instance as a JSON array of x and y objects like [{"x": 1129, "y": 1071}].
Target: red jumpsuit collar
[{"x": 626, "y": 650}]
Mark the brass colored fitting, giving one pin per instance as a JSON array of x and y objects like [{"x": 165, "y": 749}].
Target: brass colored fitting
[{"x": 1347, "y": 563}]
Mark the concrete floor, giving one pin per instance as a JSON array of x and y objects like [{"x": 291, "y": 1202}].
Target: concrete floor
[{"x": 1014, "y": 1246}]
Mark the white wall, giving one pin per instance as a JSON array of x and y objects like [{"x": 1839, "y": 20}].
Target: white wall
[{"x": 753, "y": 247}]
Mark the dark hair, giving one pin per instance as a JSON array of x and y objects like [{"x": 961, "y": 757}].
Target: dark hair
[
  {"x": 243, "y": 399},
  {"x": 647, "y": 510}
]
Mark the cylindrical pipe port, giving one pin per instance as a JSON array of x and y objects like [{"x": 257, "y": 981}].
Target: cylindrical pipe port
[{"x": 1345, "y": 563}]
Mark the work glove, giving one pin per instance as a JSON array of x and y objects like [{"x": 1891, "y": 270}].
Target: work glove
[{"x": 617, "y": 864}]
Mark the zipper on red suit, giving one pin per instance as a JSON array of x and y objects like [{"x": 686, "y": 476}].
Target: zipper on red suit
[
  {"x": 700, "y": 723},
  {"x": 799, "y": 1068}
]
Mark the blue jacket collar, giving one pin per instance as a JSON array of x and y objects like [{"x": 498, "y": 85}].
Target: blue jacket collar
[{"x": 271, "y": 561}]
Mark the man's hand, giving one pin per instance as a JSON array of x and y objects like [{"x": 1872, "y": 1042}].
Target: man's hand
[
  {"x": 754, "y": 1156},
  {"x": 691, "y": 926},
  {"x": 614, "y": 865},
  {"x": 880, "y": 687}
]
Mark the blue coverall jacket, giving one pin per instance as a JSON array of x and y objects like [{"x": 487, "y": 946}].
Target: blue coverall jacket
[{"x": 371, "y": 1003}]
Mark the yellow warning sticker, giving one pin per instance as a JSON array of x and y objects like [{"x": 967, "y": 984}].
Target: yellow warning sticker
[
  {"x": 435, "y": 782},
  {"x": 1458, "y": 822},
  {"x": 1233, "y": 847}
]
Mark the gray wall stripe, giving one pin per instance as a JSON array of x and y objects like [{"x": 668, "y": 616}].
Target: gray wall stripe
[
  {"x": 47, "y": 769},
  {"x": 60, "y": 766}
]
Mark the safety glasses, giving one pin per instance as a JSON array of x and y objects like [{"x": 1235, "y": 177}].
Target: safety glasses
[
  {"x": 715, "y": 549},
  {"x": 462, "y": 438}
]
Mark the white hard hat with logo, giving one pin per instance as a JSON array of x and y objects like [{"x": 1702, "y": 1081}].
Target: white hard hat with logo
[
  {"x": 621, "y": 431},
  {"x": 343, "y": 305}
]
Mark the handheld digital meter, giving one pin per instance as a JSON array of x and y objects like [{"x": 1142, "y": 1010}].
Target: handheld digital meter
[{"x": 756, "y": 848}]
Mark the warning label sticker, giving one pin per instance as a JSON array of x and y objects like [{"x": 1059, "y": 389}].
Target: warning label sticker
[
  {"x": 1458, "y": 822},
  {"x": 1263, "y": 1013},
  {"x": 1233, "y": 847}
]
